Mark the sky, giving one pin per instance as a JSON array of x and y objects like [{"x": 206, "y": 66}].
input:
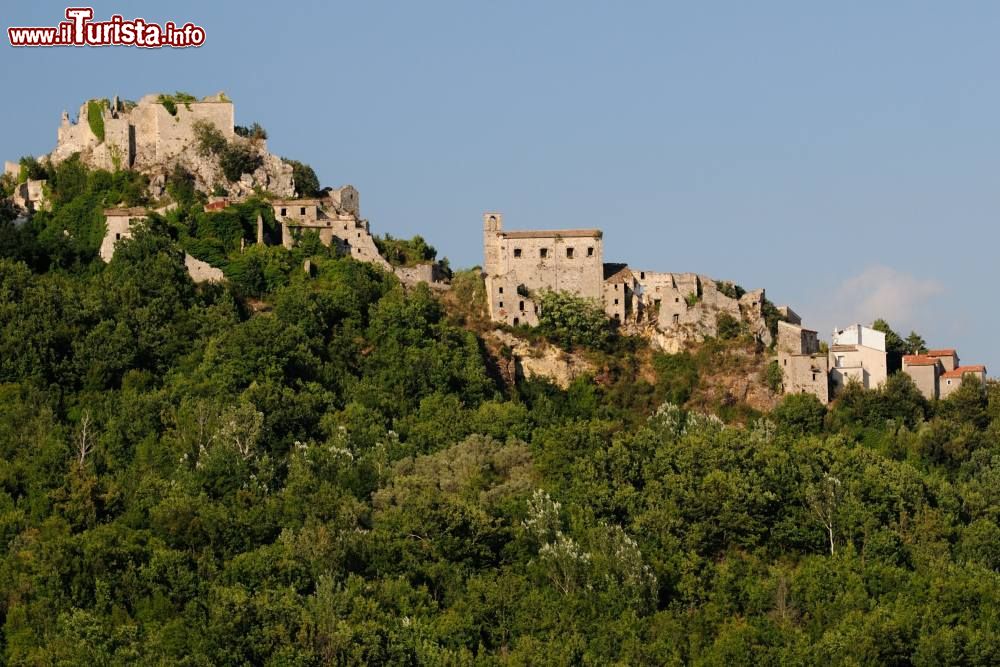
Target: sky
[{"x": 843, "y": 156}]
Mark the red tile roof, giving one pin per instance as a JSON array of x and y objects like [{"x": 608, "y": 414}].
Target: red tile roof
[
  {"x": 962, "y": 370},
  {"x": 947, "y": 352},
  {"x": 919, "y": 360}
]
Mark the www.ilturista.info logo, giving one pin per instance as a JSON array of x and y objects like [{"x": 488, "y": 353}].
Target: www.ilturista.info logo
[{"x": 80, "y": 30}]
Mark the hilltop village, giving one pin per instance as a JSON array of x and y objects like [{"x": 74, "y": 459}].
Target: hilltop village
[{"x": 161, "y": 133}]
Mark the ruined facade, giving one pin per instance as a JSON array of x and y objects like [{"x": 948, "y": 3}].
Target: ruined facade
[
  {"x": 679, "y": 307},
  {"x": 804, "y": 368},
  {"x": 518, "y": 264},
  {"x": 119, "y": 223},
  {"x": 334, "y": 218}
]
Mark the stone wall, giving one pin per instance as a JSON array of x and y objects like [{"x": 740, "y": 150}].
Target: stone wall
[
  {"x": 202, "y": 272},
  {"x": 119, "y": 226}
]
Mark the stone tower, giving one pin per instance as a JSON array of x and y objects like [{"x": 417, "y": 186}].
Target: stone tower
[{"x": 492, "y": 226}]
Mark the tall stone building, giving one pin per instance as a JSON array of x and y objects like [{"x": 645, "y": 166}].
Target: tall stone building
[{"x": 518, "y": 264}]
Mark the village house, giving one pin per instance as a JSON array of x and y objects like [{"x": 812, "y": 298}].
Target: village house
[
  {"x": 857, "y": 353},
  {"x": 937, "y": 373}
]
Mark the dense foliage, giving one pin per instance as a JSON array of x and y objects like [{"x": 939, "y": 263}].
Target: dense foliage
[
  {"x": 339, "y": 478},
  {"x": 405, "y": 252},
  {"x": 305, "y": 179}
]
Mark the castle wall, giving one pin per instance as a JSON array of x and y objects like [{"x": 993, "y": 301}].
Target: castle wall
[{"x": 119, "y": 226}]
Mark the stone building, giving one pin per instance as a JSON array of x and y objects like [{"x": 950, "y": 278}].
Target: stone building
[
  {"x": 334, "y": 218},
  {"x": 119, "y": 226},
  {"x": 857, "y": 353},
  {"x": 518, "y": 264},
  {"x": 680, "y": 307},
  {"x": 804, "y": 368},
  {"x": 937, "y": 373}
]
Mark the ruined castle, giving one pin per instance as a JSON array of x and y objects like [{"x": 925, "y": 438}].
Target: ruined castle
[{"x": 156, "y": 133}]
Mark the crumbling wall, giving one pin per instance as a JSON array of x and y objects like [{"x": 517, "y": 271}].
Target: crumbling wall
[{"x": 202, "y": 272}]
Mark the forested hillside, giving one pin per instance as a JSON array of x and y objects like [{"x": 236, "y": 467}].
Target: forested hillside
[{"x": 295, "y": 469}]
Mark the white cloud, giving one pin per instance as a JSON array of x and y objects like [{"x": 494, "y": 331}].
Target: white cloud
[{"x": 904, "y": 300}]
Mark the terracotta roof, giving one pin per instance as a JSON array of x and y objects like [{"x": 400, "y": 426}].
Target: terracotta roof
[
  {"x": 550, "y": 234},
  {"x": 947, "y": 352},
  {"x": 134, "y": 212},
  {"x": 216, "y": 205},
  {"x": 962, "y": 370},
  {"x": 919, "y": 360}
]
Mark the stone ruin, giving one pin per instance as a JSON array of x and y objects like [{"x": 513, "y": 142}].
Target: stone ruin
[
  {"x": 153, "y": 137},
  {"x": 673, "y": 309}
]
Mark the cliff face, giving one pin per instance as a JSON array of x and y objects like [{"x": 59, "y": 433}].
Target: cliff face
[{"x": 158, "y": 133}]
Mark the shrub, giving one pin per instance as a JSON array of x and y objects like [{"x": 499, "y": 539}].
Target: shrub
[
  {"x": 570, "y": 321},
  {"x": 95, "y": 117},
  {"x": 402, "y": 252},
  {"x": 800, "y": 414},
  {"x": 774, "y": 376},
  {"x": 305, "y": 179},
  {"x": 691, "y": 299},
  {"x": 732, "y": 290},
  {"x": 728, "y": 326},
  {"x": 255, "y": 132},
  {"x": 208, "y": 139},
  {"x": 676, "y": 377},
  {"x": 237, "y": 159}
]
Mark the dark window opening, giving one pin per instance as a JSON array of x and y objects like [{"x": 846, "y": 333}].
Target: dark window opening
[
  {"x": 616, "y": 302},
  {"x": 642, "y": 275},
  {"x": 677, "y": 318},
  {"x": 520, "y": 305},
  {"x": 590, "y": 252},
  {"x": 501, "y": 304},
  {"x": 501, "y": 290},
  {"x": 517, "y": 252},
  {"x": 543, "y": 253},
  {"x": 118, "y": 237},
  {"x": 284, "y": 211},
  {"x": 516, "y": 321},
  {"x": 302, "y": 211},
  {"x": 569, "y": 253}
]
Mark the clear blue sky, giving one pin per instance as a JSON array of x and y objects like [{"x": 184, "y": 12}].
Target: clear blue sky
[{"x": 845, "y": 156}]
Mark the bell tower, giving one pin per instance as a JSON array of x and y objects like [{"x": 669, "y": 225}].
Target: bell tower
[{"x": 492, "y": 226}]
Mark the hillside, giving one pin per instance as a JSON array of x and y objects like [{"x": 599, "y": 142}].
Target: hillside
[{"x": 327, "y": 466}]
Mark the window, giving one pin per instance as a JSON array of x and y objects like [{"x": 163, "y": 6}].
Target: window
[
  {"x": 569, "y": 253},
  {"x": 118, "y": 237},
  {"x": 677, "y": 318},
  {"x": 520, "y": 305},
  {"x": 284, "y": 211},
  {"x": 642, "y": 275},
  {"x": 517, "y": 252},
  {"x": 677, "y": 299},
  {"x": 814, "y": 377},
  {"x": 786, "y": 362},
  {"x": 302, "y": 210},
  {"x": 543, "y": 253},
  {"x": 616, "y": 287},
  {"x": 500, "y": 290},
  {"x": 590, "y": 252},
  {"x": 516, "y": 321},
  {"x": 501, "y": 304}
]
